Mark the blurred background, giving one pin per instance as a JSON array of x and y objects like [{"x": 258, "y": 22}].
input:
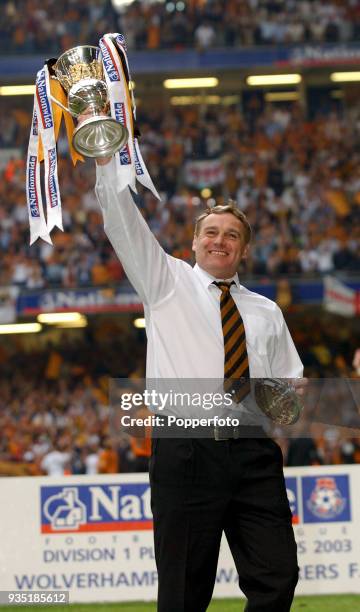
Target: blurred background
[{"x": 275, "y": 125}]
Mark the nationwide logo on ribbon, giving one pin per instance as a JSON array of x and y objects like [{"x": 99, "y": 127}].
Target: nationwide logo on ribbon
[
  {"x": 42, "y": 132},
  {"x": 109, "y": 62},
  {"x": 32, "y": 191},
  {"x": 326, "y": 498},
  {"x": 90, "y": 508},
  {"x": 120, "y": 116},
  {"x": 138, "y": 167},
  {"x": 120, "y": 39},
  {"x": 53, "y": 191},
  {"x": 43, "y": 101}
]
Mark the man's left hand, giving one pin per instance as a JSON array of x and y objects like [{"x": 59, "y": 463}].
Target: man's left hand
[{"x": 300, "y": 385}]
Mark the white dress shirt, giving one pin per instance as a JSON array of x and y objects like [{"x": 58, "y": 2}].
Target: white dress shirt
[{"x": 182, "y": 306}]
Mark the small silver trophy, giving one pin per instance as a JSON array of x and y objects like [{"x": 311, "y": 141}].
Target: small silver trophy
[
  {"x": 277, "y": 398},
  {"x": 81, "y": 73}
]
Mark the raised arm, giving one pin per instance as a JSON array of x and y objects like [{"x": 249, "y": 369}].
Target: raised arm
[
  {"x": 145, "y": 262},
  {"x": 284, "y": 358}
]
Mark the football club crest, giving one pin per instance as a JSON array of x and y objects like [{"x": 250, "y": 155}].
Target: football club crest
[{"x": 326, "y": 498}]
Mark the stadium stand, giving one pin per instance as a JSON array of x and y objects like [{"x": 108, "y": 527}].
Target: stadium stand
[
  {"x": 292, "y": 167},
  {"x": 45, "y": 26},
  {"x": 55, "y": 399},
  {"x": 297, "y": 180}
]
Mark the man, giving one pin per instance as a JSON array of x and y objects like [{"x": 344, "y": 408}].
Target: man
[
  {"x": 56, "y": 461},
  {"x": 204, "y": 486}
]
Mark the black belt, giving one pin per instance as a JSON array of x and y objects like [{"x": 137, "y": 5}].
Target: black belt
[
  {"x": 235, "y": 433},
  {"x": 216, "y": 432}
]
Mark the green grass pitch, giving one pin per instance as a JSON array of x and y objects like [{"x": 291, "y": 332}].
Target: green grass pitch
[{"x": 321, "y": 603}]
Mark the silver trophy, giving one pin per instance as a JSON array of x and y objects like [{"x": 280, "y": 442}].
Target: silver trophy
[
  {"x": 81, "y": 73},
  {"x": 277, "y": 398}
]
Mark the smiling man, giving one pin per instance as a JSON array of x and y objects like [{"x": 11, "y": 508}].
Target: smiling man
[
  {"x": 202, "y": 324},
  {"x": 221, "y": 240}
]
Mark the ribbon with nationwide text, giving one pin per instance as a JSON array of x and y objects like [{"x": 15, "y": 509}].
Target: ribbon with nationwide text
[
  {"x": 42, "y": 128},
  {"x": 44, "y": 132},
  {"x": 130, "y": 164}
]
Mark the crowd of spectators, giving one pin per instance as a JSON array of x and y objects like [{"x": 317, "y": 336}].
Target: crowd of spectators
[
  {"x": 47, "y": 26},
  {"x": 298, "y": 181},
  {"x": 54, "y": 402},
  {"x": 58, "y": 412}
]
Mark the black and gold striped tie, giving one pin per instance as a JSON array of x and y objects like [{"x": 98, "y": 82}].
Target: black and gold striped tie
[{"x": 236, "y": 362}]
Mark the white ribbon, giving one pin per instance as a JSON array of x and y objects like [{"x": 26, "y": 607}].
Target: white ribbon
[
  {"x": 37, "y": 222},
  {"x": 130, "y": 164},
  {"x": 42, "y": 126},
  {"x": 119, "y": 109},
  {"x": 47, "y": 133},
  {"x": 141, "y": 170},
  {"x": 120, "y": 41}
]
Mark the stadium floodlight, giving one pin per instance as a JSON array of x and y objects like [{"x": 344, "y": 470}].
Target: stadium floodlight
[
  {"x": 191, "y": 83},
  {"x": 343, "y": 77},
  {"x": 187, "y": 100},
  {"x": 281, "y": 96},
  {"x": 273, "y": 79},
  {"x": 20, "y": 328},
  {"x": 82, "y": 322},
  {"x": 139, "y": 323},
  {"x": 53, "y": 318},
  {"x": 29, "y": 90},
  {"x": 17, "y": 90},
  {"x": 121, "y": 4}
]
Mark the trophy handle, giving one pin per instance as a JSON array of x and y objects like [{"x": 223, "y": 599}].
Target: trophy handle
[
  {"x": 95, "y": 111},
  {"x": 59, "y": 104}
]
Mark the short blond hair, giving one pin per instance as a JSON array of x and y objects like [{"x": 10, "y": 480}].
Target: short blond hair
[{"x": 230, "y": 207}]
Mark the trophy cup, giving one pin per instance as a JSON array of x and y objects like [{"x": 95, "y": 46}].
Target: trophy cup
[{"x": 81, "y": 74}]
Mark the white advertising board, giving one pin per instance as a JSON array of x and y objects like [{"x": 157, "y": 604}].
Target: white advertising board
[{"x": 92, "y": 535}]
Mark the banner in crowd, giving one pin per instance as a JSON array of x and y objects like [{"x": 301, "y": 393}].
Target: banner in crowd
[
  {"x": 88, "y": 300},
  {"x": 205, "y": 173},
  {"x": 142, "y": 62},
  {"x": 323, "y": 55},
  {"x": 339, "y": 298},
  {"x": 119, "y": 299},
  {"x": 92, "y": 535}
]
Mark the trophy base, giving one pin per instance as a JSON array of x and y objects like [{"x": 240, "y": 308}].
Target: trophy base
[{"x": 99, "y": 136}]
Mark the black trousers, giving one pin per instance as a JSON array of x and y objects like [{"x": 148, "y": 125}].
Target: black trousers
[{"x": 202, "y": 487}]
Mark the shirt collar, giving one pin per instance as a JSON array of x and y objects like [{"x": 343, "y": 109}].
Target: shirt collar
[{"x": 207, "y": 279}]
